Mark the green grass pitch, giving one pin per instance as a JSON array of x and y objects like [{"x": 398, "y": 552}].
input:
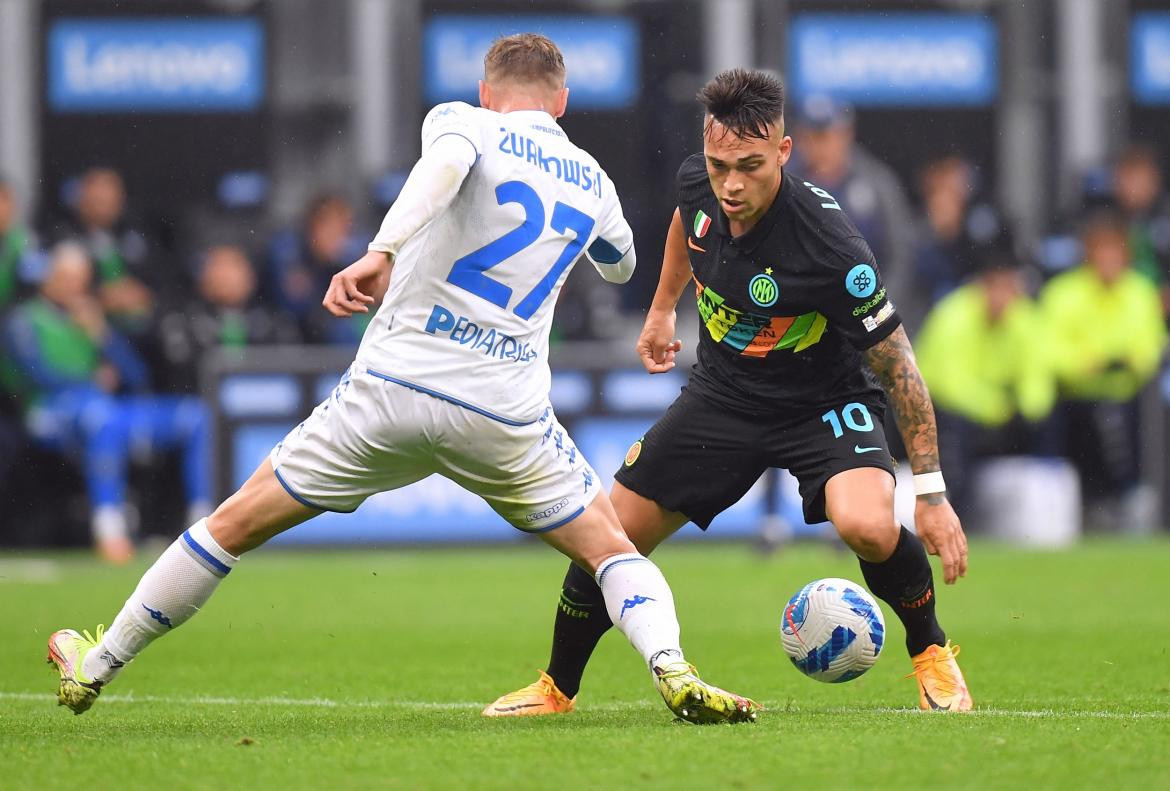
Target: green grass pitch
[{"x": 335, "y": 669}]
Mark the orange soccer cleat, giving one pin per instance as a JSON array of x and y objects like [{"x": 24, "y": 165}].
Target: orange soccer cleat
[
  {"x": 539, "y": 697},
  {"x": 940, "y": 682}
]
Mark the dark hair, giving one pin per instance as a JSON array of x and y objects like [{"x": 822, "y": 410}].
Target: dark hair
[
  {"x": 744, "y": 101},
  {"x": 526, "y": 58},
  {"x": 1103, "y": 217},
  {"x": 997, "y": 256},
  {"x": 1138, "y": 154},
  {"x": 324, "y": 202}
]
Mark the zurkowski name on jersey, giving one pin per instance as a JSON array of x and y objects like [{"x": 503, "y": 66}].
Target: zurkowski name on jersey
[
  {"x": 786, "y": 308},
  {"x": 471, "y": 296}
]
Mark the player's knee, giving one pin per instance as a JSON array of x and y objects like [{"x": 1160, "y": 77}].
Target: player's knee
[{"x": 872, "y": 534}]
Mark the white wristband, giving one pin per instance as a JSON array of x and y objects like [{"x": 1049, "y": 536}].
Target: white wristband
[{"x": 929, "y": 483}]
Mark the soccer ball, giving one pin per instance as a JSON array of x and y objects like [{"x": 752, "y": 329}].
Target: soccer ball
[{"x": 832, "y": 630}]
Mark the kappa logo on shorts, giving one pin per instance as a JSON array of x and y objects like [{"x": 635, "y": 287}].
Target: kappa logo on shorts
[
  {"x": 633, "y": 453},
  {"x": 555, "y": 508}
]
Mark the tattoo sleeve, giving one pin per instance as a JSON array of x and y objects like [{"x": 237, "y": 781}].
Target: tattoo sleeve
[{"x": 892, "y": 360}]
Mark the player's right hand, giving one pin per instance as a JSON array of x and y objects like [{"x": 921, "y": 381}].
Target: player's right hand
[
  {"x": 657, "y": 345},
  {"x": 359, "y": 285},
  {"x": 941, "y": 533}
]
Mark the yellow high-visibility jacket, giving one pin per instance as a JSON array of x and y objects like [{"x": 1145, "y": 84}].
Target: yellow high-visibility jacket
[
  {"x": 1105, "y": 342},
  {"x": 985, "y": 372}
]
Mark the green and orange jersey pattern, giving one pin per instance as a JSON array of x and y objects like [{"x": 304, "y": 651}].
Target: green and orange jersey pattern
[{"x": 752, "y": 334}]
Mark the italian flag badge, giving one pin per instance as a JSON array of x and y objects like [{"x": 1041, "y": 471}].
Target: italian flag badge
[{"x": 702, "y": 223}]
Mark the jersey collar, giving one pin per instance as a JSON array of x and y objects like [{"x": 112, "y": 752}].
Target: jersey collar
[
  {"x": 538, "y": 119},
  {"x": 751, "y": 240},
  {"x": 535, "y": 115}
]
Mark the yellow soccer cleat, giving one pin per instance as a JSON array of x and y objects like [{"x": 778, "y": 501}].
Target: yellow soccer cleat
[
  {"x": 694, "y": 700},
  {"x": 67, "y": 650},
  {"x": 940, "y": 682},
  {"x": 539, "y": 697}
]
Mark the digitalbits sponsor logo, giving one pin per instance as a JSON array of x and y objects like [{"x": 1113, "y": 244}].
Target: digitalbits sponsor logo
[
  {"x": 866, "y": 307},
  {"x": 861, "y": 281}
]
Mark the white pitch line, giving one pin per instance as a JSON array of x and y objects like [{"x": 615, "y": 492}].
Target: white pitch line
[
  {"x": 266, "y": 701},
  {"x": 1041, "y": 713},
  {"x": 775, "y": 709}
]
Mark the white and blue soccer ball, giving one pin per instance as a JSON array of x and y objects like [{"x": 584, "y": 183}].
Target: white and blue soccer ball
[{"x": 832, "y": 630}]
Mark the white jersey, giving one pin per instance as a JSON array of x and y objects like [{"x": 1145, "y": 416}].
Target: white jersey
[{"x": 472, "y": 293}]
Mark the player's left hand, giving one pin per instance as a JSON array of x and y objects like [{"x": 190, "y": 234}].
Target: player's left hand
[
  {"x": 938, "y": 528},
  {"x": 359, "y": 285}
]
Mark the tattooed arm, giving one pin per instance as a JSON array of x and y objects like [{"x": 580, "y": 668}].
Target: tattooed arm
[{"x": 892, "y": 360}]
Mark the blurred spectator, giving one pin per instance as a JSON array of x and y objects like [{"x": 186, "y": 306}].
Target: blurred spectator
[
  {"x": 1137, "y": 188},
  {"x": 223, "y": 313},
  {"x": 303, "y": 262},
  {"x": 867, "y": 189},
  {"x": 16, "y": 242},
  {"x": 119, "y": 250},
  {"x": 983, "y": 355},
  {"x": 1106, "y": 335},
  {"x": 16, "y": 246},
  {"x": 77, "y": 373},
  {"x": 953, "y": 233}
]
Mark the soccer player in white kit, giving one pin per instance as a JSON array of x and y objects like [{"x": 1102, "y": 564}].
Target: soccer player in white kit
[{"x": 451, "y": 378}]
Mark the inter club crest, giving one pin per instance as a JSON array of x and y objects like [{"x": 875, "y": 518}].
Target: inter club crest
[{"x": 763, "y": 289}]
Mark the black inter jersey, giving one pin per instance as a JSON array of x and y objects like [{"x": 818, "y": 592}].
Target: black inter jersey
[{"x": 786, "y": 307}]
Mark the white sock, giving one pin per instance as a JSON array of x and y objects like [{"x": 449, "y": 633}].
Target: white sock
[
  {"x": 169, "y": 593},
  {"x": 640, "y": 604}
]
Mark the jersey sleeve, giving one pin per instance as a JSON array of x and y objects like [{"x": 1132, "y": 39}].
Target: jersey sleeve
[
  {"x": 612, "y": 252},
  {"x": 456, "y": 119},
  {"x": 433, "y": 183},
  {"x": 692, "y": 183},
  {"x": 851, "y": 294}
]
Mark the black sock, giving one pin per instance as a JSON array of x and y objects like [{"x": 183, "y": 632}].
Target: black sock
[
  {"x": 581, "y": 621},
  {"x": 905, "y": 582}
]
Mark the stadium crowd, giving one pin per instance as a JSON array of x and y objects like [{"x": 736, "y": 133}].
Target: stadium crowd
[{"x": 1027, "y": 351}]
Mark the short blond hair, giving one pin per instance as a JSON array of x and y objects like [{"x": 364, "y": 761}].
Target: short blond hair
[{"x": 524, "y": 58}]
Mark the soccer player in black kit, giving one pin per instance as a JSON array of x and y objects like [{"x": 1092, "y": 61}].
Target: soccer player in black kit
[{"x": 800, "y": 351}]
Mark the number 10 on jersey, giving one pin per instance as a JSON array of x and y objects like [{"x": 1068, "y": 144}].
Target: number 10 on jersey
[{"x": 468, "y": 271}]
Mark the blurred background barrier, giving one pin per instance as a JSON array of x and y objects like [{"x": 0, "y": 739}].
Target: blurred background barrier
[{"x": 217, "y": 160}]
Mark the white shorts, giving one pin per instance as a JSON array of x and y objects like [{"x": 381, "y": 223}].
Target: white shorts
[{"x": 373, "y": 434}]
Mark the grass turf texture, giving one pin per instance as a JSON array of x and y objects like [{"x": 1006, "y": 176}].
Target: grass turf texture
[{"x": 369, "y": 668}]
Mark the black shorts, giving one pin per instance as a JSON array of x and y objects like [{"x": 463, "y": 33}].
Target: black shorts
[{"x": 699, "y": 458}]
